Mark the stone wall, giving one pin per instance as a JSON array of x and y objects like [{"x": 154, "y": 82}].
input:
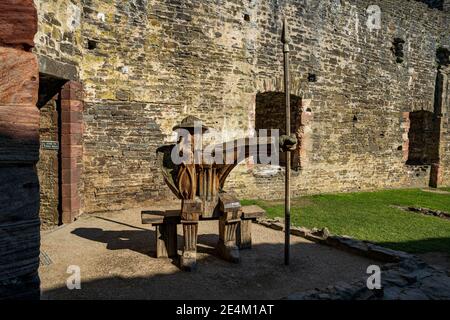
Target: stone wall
[
  {"x": 59, "y": 40},
  {"x": 146, "y": 64},
  {"x": 48, "y": 167},
  {"x": 360, "y": 93},
  {"x": 445, "y": 130}
]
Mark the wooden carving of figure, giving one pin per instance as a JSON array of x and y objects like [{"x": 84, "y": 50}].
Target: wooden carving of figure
[{"x": 199, "y": 185}]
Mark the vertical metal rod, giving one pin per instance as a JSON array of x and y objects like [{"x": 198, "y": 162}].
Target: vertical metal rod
[{"x": 287, "y": 205}]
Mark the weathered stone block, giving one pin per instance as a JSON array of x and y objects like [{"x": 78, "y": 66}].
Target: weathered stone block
[
  {"x": 18, "y": 23},
  {"x": 19, "y": 77},
  {"x": 19, "y": 133},
  {"x": 72, "y": 91}
]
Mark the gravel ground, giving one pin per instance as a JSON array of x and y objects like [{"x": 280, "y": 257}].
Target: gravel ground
[{"x": 115, "y": 253}]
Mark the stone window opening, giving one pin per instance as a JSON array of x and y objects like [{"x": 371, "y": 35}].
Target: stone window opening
[
  {"x": 434, "y": 4},
  {"x": 271, "y": 114},
  {"x": 442, "y": 57},
  {"x": 397, "y": 50},
  {"x": 92, "y": 44},
  {"x": 423, "y": 138},
  {"x": 312, "y": 77}
]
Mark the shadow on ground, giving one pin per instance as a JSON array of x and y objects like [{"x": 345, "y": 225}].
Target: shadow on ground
[
  {"x": 133, "y": 240},
  {"x": 213, "y": 279},
  {"x": 117, "y": 261}
]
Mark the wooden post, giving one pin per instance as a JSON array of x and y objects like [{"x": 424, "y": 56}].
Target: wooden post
[
  {"x": 190, "y": 214},
  {"x": 244, "y": 234},
  {"x": 189, "y": 257},
  {"x": 229, "y": 220},
  {"x": 227, "y": 245},
  {"x": 287, "y": 205},
  {"x": 166, "y": 240}
]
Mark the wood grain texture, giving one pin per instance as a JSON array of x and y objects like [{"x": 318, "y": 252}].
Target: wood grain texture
[
  {"x": 252, "y": 212},
  {"x": 244, "y": 234},
  {"x": 166, "y": 240}
]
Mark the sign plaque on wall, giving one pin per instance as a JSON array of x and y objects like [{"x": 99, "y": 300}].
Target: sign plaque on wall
[{"x": 50, "y": 145}]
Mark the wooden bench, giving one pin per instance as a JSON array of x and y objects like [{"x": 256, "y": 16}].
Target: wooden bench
[
  {"x": 166, "y": 221},
  {"x": 244, "y": 231}
]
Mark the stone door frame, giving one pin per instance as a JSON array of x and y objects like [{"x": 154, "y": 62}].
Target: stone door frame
[{"x": 71, "y": 144}]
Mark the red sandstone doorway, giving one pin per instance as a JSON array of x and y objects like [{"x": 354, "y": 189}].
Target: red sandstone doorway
[{"x": 60, "y": 155}]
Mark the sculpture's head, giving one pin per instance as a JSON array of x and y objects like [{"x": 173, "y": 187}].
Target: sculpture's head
[
  {"x": 190, "y": 123},
  {"x": 190, "y": 133}
]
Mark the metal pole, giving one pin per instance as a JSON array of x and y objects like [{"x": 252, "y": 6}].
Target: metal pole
[{"x": 287, "y": 205}]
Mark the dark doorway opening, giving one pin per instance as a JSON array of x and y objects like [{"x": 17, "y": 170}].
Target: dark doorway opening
[
  {"x": 49, "y": 165},
  {"x": 434, "y": 4},
  {"x": 423, "y": 138}
]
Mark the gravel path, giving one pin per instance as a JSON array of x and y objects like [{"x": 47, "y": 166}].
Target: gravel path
[{"x": 115, "y": 254}]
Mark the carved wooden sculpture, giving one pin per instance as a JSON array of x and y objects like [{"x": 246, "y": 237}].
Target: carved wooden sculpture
[{"x": 199, "y": 185}]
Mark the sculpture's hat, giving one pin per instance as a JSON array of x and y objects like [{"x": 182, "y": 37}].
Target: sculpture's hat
[{"x": 189, "y": 123}]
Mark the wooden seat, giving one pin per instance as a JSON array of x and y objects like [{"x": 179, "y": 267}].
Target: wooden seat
[
  {"x": 244, "y": 232},
  {"x": 159, "y": 216},
  {"x": 165, "y": 222},
  {"x": 252, "y": 212}
]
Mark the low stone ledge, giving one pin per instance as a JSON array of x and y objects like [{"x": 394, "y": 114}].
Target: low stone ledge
[
  {"x": 404, "y": 276},
  {"x": 346, "y": 243},
  {"x": 410, "y": 279},
  {"x": 276, "y": 224},
  {"x": 300, "y": 231},
  {"x": 425, "y": 211}
]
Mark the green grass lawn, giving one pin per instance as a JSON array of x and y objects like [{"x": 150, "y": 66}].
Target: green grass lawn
[{"x": 370, "y": 216}]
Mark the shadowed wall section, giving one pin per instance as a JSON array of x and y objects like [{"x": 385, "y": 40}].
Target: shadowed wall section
[
  {"x": 270, "y": 113},
  {"x": 423, "y": 138},
  {"x": 48, "y": 165},
  {"x": 19, "y": 151}
]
